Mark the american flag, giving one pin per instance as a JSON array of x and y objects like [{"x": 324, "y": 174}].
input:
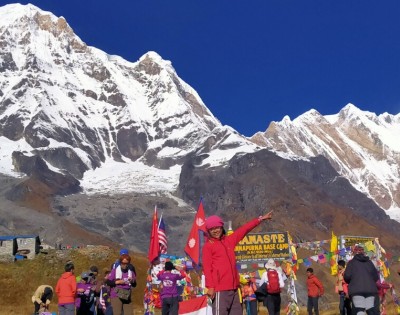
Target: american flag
[{"x": 162, "y": 237}]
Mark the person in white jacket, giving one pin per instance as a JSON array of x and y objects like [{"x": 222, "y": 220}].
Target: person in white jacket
[
  {"x": 42, "y": 297},
  {"x": 275, "y": 281}
]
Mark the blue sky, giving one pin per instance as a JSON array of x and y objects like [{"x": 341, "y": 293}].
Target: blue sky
[{"x": 253, "y": 62}]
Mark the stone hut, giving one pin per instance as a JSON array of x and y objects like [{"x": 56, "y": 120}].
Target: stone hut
[
  {"x": 8, "y": 248},
  {"x": 28, "y": 245}
]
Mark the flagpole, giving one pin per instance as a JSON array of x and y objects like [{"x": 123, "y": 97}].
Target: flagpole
[{"x": 159, "y": 221}]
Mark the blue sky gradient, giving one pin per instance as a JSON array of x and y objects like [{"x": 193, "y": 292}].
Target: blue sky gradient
[{"x": 253, "y": 62}]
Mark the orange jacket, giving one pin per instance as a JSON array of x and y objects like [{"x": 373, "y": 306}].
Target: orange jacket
[
  {"x": 314, "y": 286},
  {"x": 66, "y": 288},
  {"x": 248, "y": 291},
  {"x": 341, "y": 285}
]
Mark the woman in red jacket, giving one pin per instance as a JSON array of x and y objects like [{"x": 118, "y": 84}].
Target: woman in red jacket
[
  {"x": 66, "y": 290},
  {"x": 219, "y": 264}
]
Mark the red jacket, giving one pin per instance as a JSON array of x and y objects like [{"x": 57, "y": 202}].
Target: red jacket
[
  {"x": 314, "y": 286},
  {"x": 219, "y": 262},
  {"x": 66, "y": 288}
]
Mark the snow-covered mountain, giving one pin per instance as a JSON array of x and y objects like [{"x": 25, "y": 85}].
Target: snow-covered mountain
[
  {"x": 95, "y": 140},
  {"x": 361, "y": 146},
  {"x": 105, "y": 121}
]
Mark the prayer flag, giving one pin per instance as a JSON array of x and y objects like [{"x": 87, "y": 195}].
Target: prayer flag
[
  {"x": 322, "y": 259},
  {"x": 307, "y": 263}
]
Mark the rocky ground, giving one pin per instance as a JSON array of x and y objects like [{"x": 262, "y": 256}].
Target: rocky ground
[
  {"x": 18, "y": 218},
  {"x": 127, "y": 219},
  {"x": 122, "y": 220},
  {"x": 16, "y": 290}
]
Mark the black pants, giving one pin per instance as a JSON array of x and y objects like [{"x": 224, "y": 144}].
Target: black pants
[
  {"x": 344, "y": 304},
  {"x": 312, "y": 303},
  {"x": 37, "y": 307},
  {"x": 170, "y": 306},
  {"x": 251, "y": 307},
  {"x": 273, "y": 303},
  {"x": 85, "y": 309},
  {"x": 108, "y": 311}
]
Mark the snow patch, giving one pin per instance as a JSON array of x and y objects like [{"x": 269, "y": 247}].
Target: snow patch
[{"x": 114, "y": 177}]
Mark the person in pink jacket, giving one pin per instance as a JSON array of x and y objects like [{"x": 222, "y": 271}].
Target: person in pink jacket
[{"x": 219, "y": 264}]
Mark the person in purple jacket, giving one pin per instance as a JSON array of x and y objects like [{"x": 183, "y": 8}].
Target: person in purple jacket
[
  {"x": 169, "y": 290},
  {"x": 84, "y": 301},
  {"x": 121, "y": 280}
]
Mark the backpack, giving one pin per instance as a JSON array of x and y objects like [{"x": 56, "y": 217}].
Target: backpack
[{"x": 273, "y": 282}]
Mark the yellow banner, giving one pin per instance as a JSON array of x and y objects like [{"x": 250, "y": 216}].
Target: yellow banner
[
  {"x": 334, "y": 248},
  {"x": 261, "y": 246}
]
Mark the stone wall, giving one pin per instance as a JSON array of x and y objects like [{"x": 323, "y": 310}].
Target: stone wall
[
  {"x": 28, "y": 247},
  {"x": 7, "y": 249}
]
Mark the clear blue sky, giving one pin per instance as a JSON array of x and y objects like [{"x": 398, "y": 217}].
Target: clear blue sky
[{"x": 253, "y": 62}]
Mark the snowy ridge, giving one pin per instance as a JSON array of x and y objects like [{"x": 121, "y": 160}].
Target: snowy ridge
[
  {"x": 120, "y": 126},
  {"x": 361, "y": 146},
  {"x": 126, "y": 122}
]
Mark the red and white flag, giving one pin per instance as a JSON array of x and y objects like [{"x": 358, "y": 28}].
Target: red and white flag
[
  {"x": 192, "y": 248},
  {"x": 196, "y": 306}
]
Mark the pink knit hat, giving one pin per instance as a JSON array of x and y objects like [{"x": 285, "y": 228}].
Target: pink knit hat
[{"x": 214, "y": 221}]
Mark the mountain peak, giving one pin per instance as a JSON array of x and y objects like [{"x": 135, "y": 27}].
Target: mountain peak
[
  {"x": 152, "y": 63},
  {"x": 59, "y": 97},
  {"x": 286, "y": 120},
  {"x": 351, "y": 111},
  {"x": 153, "y": 56},
  {"x": 26, "y": 17},
  {"x": 360, "y": 145},
  {"x": 310, "y": 116},
  {"x": 15, "y": 10}
]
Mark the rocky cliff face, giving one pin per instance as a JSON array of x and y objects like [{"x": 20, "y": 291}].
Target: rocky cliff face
[
  {"x": 77, "y": 107},
  {"x": 68, "y": 111},
  {"x": 92, "y": 142},
  {"x": 309, "y": 198},
  {"x": 361, "y": 146}
]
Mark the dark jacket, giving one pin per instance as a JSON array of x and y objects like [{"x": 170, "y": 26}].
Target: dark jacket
[
  {"x": 361, "y": 275},
  {"x": 261, "y": 293}
]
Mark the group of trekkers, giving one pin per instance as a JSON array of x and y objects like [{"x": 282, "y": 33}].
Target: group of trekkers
[
  {"x": 91, "y": 293},
  {"x": 111, "y": 293},
  {"x": 359, "y": 287},
  {"x": 269, "y": 288}
]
